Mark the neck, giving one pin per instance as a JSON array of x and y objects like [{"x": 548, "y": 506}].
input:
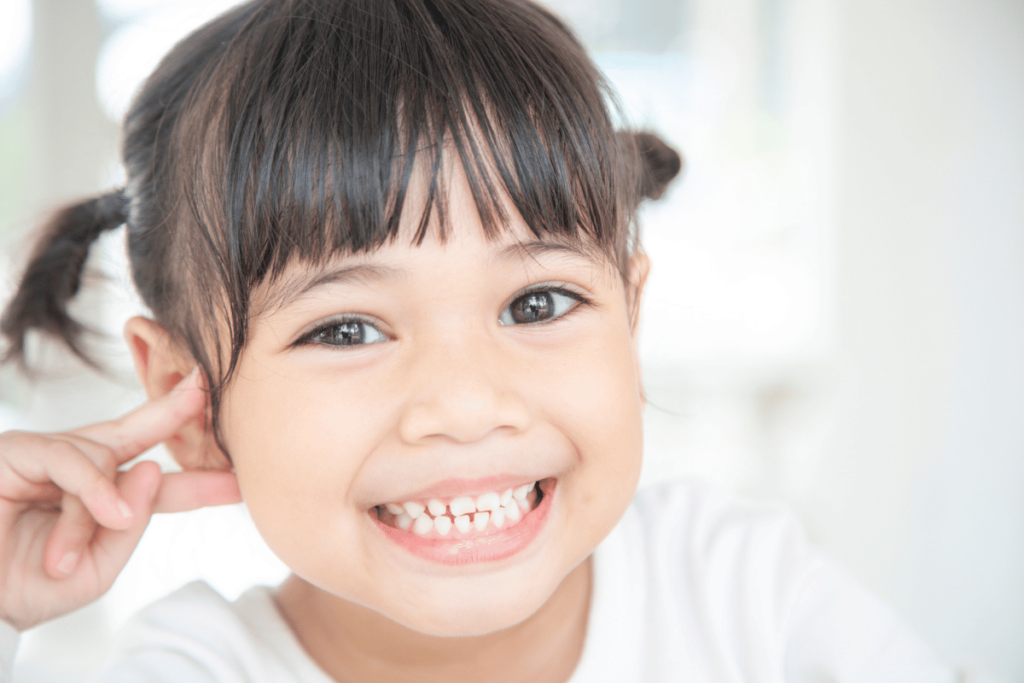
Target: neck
[{"x": 355, "y": 644}]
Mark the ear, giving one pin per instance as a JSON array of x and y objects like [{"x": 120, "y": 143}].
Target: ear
[
  {"x": 160, "y": 365},
  {"x": 637, "y": 270}
]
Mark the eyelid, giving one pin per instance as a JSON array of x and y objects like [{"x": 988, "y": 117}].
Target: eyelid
[
  {"x": 305, "y": 337},
  {"x": 553, "y": 286},
  {"x": 562, "y": 288}
]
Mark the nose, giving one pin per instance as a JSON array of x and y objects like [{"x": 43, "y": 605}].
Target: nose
[{"x": 462, "y": 392}]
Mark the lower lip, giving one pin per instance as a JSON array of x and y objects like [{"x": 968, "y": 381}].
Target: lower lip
[{"x": 488, "y": 548}]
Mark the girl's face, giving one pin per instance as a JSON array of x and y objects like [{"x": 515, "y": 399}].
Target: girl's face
[{"x": 441, "y": 376}]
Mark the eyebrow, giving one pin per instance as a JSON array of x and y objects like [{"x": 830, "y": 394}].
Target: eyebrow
[
  {"x": 288, "y": 292},
  {"x": 295, "y": 288},
  {"x": 537, "y": 248}
]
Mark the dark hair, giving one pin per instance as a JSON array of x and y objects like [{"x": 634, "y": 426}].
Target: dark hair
[{"x": 288, "y": 129}]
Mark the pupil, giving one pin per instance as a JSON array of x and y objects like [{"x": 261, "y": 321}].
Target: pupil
[
  {"x": 533, "y": 308},
  {"x": 346, "y": 334}
]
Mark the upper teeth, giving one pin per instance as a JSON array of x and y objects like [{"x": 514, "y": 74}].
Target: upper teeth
[
  {"x": 413, "y": 508},
  {"x": 497, "y": 508},
  {"x": 461, "y": 506},
  {"x": 488, "y": 501}
]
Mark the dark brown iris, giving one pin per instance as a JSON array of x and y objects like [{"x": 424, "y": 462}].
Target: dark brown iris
[{"x": 533, "y": 308}]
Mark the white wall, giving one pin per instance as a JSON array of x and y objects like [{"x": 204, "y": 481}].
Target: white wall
[{"x": 922, "y": 485}]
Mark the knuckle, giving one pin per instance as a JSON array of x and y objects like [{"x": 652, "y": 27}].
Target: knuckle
[
  {"x": 60, "y": 450},
  {"x": 11, "y": 437},
  {"x": 9, "y": 442},
  {"x": 106, "y": 460},
  {"x": 17, "y": 439}
]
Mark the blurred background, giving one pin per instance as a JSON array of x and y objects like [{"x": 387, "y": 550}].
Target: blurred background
[{"x": 835, "y": 315}]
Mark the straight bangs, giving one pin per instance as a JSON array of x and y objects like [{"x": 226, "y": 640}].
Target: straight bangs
[
  {"x": 298, "y": 140},
  {"x": 307, "y": 129}
]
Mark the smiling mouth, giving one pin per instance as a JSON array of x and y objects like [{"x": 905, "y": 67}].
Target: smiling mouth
[{"x": 464, "y": 517}]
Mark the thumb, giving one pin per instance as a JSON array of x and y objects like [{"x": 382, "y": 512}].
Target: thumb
[
  {"x": 194, "y": 489},
  {"x": 110, "y": 548}
]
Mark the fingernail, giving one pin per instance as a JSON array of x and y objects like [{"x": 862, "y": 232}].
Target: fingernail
[
  {"x": 126, "y": 511},
  {"x": 187, "y": 379},
  {"x": 67, "y": 563}
]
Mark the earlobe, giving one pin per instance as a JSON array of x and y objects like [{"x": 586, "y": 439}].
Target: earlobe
[{"x": 160, "y": 365}]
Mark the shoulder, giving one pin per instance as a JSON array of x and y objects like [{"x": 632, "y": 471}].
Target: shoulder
[
  {"x": 196, "y": 634},
  {"x": 743, "y": 576},
  {"x": 706, "y": 531},
  {"x": 695, "y": 583}
]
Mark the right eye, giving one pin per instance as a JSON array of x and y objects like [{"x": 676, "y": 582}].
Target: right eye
[{"x": 346, "y": 333}]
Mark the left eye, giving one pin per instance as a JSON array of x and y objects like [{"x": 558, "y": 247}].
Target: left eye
[
  {"x": 347, "y": 333},
  {"x": 537, "y": 307}
]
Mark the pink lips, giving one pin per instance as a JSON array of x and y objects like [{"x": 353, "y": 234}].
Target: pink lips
[{"x": 491, "y": 547}]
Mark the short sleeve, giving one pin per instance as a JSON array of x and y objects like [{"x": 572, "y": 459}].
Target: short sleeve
[
  {"x": 195, "y": 635},
  {"x": 190, "y": 635}
]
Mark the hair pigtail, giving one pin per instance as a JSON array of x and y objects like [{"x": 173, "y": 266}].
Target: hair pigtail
[{"x": 53, "y": 275}]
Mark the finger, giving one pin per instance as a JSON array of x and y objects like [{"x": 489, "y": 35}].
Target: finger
[
  {"x": 13, "y": 486},
  {"x": 110, "y": 549},
  {"x": 41, "y": 460},
  {"x": 152, "y": 422},
  {"x": 197, "y": 489},
  {"x": 101, "y": 456},
  {"x": 69, "y": 538}
]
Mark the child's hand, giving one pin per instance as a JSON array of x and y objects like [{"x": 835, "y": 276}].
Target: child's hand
[{"x": 69, "y": 520}]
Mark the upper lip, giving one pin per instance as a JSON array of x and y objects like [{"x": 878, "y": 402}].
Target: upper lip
[{"x": 451, "y": 488}]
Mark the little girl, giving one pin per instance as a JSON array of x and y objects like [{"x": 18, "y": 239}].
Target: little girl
[{"x": 390, "y": 254}]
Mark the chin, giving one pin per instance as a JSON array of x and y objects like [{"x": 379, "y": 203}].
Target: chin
[{"x": 474, "y": 613}]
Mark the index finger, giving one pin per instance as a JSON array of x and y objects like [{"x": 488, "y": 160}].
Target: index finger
[{"x": 150, "y": 423}]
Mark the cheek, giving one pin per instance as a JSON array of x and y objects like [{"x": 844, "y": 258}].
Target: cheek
[
  {"x": 594, "y": 399},
  {"x": 601, "y": 398},
  {"x": 298, "y": 446}
]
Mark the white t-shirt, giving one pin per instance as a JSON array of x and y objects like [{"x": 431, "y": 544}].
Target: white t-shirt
[{"x": 690, "y": 586}]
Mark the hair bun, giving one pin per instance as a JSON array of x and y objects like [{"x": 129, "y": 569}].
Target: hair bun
[{"x": 660, "y": 164}]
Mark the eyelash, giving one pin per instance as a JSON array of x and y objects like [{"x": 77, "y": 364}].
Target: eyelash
[
  {"x": 542, "y": 288},
  {"x": 331, "y": 325}
]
